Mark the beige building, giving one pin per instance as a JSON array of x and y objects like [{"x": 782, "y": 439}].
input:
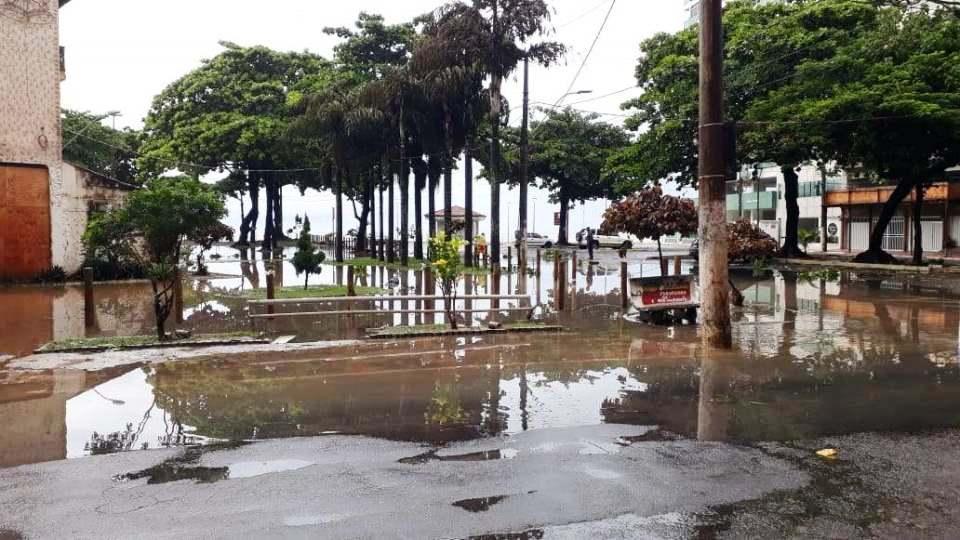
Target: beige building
[{"x": 44, "y": 203}]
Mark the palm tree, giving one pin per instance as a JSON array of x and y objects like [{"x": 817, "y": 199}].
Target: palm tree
[
  {"x": 493, "y": 31},
  {"x": 348, "y": 132},
  {"x": 420, "y": 180},
  {"x": 446, "y": 62},
  {"x": 397, "y": 96}
]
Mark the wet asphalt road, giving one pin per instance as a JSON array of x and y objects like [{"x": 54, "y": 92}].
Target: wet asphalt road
[{"x": 553, "y": 483}]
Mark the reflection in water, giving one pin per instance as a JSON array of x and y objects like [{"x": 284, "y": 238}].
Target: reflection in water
[{"x": 812, "y": 359}]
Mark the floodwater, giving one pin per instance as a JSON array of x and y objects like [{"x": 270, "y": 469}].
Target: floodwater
[
  {"x": 813, "y": 356},
  {"x": 35, "y": 315}
]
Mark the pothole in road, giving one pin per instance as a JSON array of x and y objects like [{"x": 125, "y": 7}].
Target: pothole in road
[{"x": 487, "y": 455}]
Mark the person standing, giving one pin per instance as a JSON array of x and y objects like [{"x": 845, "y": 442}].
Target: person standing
[
  {"x": 590, "y": 242},
  {"x": 480, "y": 243}
]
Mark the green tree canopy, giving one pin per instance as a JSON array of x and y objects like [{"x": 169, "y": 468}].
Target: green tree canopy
[
  {"x": 151, "y": 228},
  {"x": 100, "y": 148},
  {"x": 568, "y": 152},
  {"x": 231, "y": 114}
]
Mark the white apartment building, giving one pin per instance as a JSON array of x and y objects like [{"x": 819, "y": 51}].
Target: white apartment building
[{"x": 758, "y": 195}]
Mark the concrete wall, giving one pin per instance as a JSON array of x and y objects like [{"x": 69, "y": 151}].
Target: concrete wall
[{"x": 80, "y": 191}]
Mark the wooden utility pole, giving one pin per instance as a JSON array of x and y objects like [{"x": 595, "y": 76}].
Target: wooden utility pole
[
  {"x": 524, "y": 168},
  {"x": 714, "y": 271},
  {"x": 495, "y": 81},
  {"x": 823, "y": 208}
]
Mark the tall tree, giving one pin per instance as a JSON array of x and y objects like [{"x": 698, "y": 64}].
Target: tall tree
[
  {"x": 378, "y": 53},
  {"x": 151, "y": 228},
  {"x": 568, "y": 153},
  {"x": 505, "y": 28},
  {"x": 768, "y": 48},
  {"x": 230, "y": 114},
  {"x": 892, "y": 112}
]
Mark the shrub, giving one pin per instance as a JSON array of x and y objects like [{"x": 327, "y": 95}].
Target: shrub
[{"x": 747, "y": 242}]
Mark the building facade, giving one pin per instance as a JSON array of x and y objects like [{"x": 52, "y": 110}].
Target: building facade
[
  {"x": 860, "y": 203},
  {"x": 44, "y": 204},
  {"x": 758, "y": 195}
]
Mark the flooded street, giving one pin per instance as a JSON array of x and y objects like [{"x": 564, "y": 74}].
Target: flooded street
[{"x": 865, "y": 364}]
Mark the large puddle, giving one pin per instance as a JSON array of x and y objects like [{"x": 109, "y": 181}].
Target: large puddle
[{"x": 812, "y": 357}]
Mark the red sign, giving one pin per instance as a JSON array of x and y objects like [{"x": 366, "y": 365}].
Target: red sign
[
  {"x": 672, "y": 295},
  {"x": 556, "y": 218}
]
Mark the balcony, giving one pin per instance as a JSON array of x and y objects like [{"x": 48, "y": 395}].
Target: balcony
[
  {"x": 878, "y": 193},
  {"x": 764, "y": 200}
]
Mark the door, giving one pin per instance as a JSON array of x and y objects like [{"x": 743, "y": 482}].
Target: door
[
  {"x": 24, "y": 221},
  {"x": 859, "y": 234},
  {"x": 932, "y": 232}
]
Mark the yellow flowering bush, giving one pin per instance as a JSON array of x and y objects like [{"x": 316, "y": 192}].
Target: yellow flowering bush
[{"x": 447, "y": 266}]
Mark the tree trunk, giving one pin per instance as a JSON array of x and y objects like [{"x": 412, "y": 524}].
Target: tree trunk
[
  {"x": 391, "y": 252},
  {"x": 660, "y": 257},
  {"x": 791, "y": 192},
  {"x": 419, "y": 180},
  {"x": 404, "y": 212},
  {"x": 338, "y": 225},
  {"x": 306, "y": 280},
  {"x": 562, "y": 235},
  {"x": 823, "y": 208},
  {"x": 468, "y": 232},
  {"x": 278, "y": 232},
  {"x": 382, "y": 255},
  {"x": 384, "y": 173},
  {"x": 918, "y": 193},
  {"x": 875, "y": 253},
  {"x": 447, "y": 173},
  {"x": 361, "y": 244},
  {"x": 371, "y": 196},
  {"x": 249, "y": 223},
  {"x": 434, "y": 170},
  {"x": 268, "y": 232}
]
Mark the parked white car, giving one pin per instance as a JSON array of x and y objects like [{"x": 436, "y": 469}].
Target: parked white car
[
  {"x": 603, "y": 240},
  {"x": 535, "y": 239}
]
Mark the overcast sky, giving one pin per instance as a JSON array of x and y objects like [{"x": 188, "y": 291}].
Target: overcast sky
[{"x": 120, "y": 53}]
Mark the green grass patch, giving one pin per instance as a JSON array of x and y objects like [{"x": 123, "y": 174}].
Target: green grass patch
[
  {"x": 414, "y": 264},
  {"x": 123, "y": 342},
  {"x": 442, "y": 329},
  {"x": 316, "y": 291}
]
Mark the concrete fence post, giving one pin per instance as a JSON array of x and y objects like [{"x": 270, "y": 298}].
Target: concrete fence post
[
  {"x": 89, "y": 310},
  {"x": 351, "y": 289},
  {"x": 624, "y": 283},
  {"x": 271, "y": 293},
  {"x": 178, "y": 295}
]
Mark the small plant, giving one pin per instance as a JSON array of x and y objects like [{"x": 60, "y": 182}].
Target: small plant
[
  {"x": 761, "y": 265},
  {"x": 825, "y": 274},
  {"x": 805, "y": 236},
  {"x": 447, "y": 266},
  {"x": 307, "y": 259},
  {"x": 55, "y": 274},
  {"x": 205, "y": 238}
]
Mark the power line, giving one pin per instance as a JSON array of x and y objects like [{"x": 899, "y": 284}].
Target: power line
[
  {"x": 589, "y": 52},
  {"x": 552, "y": 106},
  {"x": 582, "y": 15},
  {"x": 622, "y": 90}
]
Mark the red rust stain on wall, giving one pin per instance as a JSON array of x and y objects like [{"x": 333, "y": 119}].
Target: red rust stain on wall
[
  {"x": 24, "y": 221},
  {"x": 26, "y": 319}
]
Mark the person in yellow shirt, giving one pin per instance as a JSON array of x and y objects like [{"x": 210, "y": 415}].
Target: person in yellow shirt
[{"x": 480, "y": 247}]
